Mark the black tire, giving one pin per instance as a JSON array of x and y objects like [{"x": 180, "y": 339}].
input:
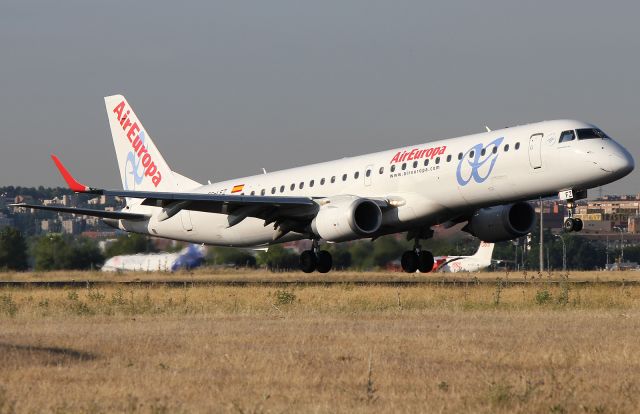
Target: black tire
[
  {"x": 308, "y": 261},
  {"x": 325, "y": 261},
  {"x": 425, "y": 262},
  {"x": 568, "y": 225},
  {"x": 577, "y": 224},
  {"x": 409, "y": 261}
]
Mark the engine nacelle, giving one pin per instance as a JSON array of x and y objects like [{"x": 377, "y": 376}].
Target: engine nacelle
[
  {"x": 347, "y": 218},
  {"x": 501, "y": 223}
]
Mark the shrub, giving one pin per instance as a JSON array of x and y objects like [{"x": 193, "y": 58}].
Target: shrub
[
  {"x": 284, "y": 297},
  {"x": 7, "y": 305},
  {"x": 543, "y": 296}
]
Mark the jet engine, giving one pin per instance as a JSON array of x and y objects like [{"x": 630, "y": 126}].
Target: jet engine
[
  {"x": 346, "y": 218},
  {"x": 501, "y": 223}
]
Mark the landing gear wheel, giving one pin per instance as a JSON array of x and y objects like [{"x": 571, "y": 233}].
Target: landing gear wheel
[
  {"x": 577, "y": 224},
  {"x": 425, "y": 262},
  {"x": 308, "y": 261},
  {"x": 325, "y": 262},
  {"x": 569, "y": 225},
  {"x": 409, "y": 261}
]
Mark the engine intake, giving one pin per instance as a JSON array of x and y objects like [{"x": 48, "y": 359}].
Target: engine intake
[
  {"x": 501, "y": 223},
  {"x": 347, "y": 218}
]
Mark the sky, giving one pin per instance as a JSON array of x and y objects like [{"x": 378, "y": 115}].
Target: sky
[{"x": 226, "y": 88}]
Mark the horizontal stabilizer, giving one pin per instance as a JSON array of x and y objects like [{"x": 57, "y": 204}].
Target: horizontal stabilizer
[{"x": 87, "y": 212}]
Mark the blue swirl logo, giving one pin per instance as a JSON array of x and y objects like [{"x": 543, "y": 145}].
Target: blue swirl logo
[
  {"x": 477, "y": 163},
  {"x": 132, "y": 168}
]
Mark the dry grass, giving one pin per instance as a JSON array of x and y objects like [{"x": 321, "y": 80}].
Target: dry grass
[
  {"x": 230, "y": 274},
  {"x": 471, "y": 348}
]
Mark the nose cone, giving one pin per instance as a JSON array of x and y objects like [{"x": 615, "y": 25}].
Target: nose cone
[{"x": 619, "y": 162}]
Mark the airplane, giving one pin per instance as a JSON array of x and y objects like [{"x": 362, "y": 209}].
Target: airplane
[
  {"x": 190, "y": 257},
  {"x": 478, "y": 261},
  {"x": 482, "y": 179}
]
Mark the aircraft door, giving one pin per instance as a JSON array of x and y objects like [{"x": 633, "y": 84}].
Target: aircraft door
[
  {"x": 185, "y": 217},
  {"x": 535, "y": 151},
  {"x": 368, "y": 172}
]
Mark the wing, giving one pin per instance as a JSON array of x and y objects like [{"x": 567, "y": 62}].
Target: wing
[
  {"x": 288, "y": 213},
  {"x": 87, "y": 212}
]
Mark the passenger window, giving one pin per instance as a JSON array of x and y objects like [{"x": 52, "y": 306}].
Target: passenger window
[
  {"x": 471, "y": 154},
  {"x": 426, "y": 162},
  {"x": 517, "y": 146},
  {"x": 393, "y": 168},
  {"x": 311, "y": 183},
  {"x": 273, "y": 190},
  {"x": 495, "y": 149},
  {"x": 506, "y": 148},
  {"x": 437, "y": 160},
  {"x": 484, "y": 151},
  {"x": 293, "y": 187},
  {"x": 344, "y": 177},
  {"x": 356, "y": 175},
  {"x": 333, "y": 179},
  {"x": 301, "y": 186},
  {"x": 282, "y": 188},
  {"x": 415, "y": 164},
  {"x": 404, "y": 166},
  {"x": 368, "y": 173},
  {"x": 253, "y": 193},
  {"x": 322, "y": 181},
  {"x": 567, "y": 136},
  {"x": 381, "y": 170},
  {"x": 449, "y": 158},
  {"x": 262, "y": 192},
  {"x": 460, "y": 156}
]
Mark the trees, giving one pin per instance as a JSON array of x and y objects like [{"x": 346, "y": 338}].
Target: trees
[
  {"x": 56, "y": 252},
  {"x": 230, "y": 256},
  {"x": 361, "y": 255},
  {"x": 130, "y": 243},
  {"x": 340, "y": 254},
  {"x": 13, "y": 249},
  {"x": 278, "y": 258}
]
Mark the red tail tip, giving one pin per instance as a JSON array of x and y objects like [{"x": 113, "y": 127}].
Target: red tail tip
[{"x": 71, "y": 182}]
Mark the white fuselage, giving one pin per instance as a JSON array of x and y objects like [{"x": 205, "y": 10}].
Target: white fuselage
[{"x": 430, "y": 183}]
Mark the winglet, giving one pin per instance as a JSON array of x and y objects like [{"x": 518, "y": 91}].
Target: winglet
[{"x": 71, "y": 182}]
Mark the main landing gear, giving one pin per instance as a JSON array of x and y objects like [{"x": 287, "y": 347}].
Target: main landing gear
[
  {"x": 315, "y": 259},
  {"x": 417, "y": 259},
  {"x": 572, "y": 223}
]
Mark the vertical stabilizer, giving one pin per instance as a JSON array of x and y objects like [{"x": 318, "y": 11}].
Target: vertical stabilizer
[
  {"x": 485, "y": 252},
  {"x": 142, "y": 167}
]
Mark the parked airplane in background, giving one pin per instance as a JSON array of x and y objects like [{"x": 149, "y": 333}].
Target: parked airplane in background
[
  {"x": 190, "y": 257},
  {"x": 482, "y": 179},
  {"x": 480, "y": 260}
]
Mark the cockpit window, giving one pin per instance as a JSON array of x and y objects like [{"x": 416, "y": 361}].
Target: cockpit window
[
  {"x": 591, "y": 133},
  {"x": 567, "y": 136}
]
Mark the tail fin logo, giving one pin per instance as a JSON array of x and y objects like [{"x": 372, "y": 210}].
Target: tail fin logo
[{"x": 139, "y": 154}]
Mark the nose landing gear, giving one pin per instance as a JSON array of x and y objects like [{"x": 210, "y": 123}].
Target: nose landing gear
[
  {"x": 572, "y": 223},
  {"x": 315, "y": 259}
]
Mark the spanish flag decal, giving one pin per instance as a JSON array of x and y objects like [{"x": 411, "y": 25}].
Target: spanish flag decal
[{"x": 237, "y": 188}]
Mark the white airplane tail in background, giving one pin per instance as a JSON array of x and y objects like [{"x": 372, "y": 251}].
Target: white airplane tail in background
[{"x": 485, "y": 251}]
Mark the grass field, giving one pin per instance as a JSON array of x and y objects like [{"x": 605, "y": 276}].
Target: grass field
[
  {"x": 208, "y": 274},
  {"x": 472, "y": 348}
]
